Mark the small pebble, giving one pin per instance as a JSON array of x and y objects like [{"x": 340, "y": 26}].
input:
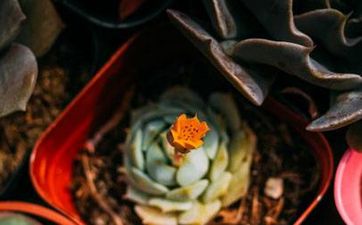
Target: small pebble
[{"x": 274, "y": 187}]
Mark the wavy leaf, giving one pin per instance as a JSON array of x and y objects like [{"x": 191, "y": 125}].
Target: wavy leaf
[
  {"x": 277, "y": 18},
  {"x": 327, "y": 26},
  {"x": 253, "y": 86},
  {"x": 11, "y": 20},
  {"x": 7, "y": 218},
  {"x": 294, "y": 59},
  {"x": 346, "y": 109},
  {"x": 16, "y": 82}
]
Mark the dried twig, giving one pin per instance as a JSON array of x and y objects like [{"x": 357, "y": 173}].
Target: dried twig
[
  {"x": 94, "y": 193},
  {"x": 118, "y": 115}
]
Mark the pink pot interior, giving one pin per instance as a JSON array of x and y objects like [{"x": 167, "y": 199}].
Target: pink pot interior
[
  {"x": 348, "y": 187},
  {"x": 54, "y": 154}
]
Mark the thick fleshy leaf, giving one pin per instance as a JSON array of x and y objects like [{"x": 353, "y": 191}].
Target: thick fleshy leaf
[
  {"x": 135, "y": 150},
  {"x": 277, "y": 18},
  {"x": 11, "y": 19},
  {"x": 294, "y": 59},
  {"x": 8, "y": 218},
  {"x": 253, "y": 86},
  {"x": 200, "y": 213},
  {"x": 239, "y": 183},
  {"x": 154, "y": 216},
  {"x": 157, "y": 167},
  {"x": 166, "y": 205},
  {"x": 194, "y": 166},
  {"x": 136, "y": 196},
  {"x": 225, "y": 105},
  {"x": 327, "y": 27},
  {"x": 18, "y": 73},
  {"x": 42, "y": 27},
  {"x": 220, "y": 162},
  {"x": 354, "y": 135},
  {"x": 211, "y": 143},
  {"x": 242, "y": 144},
  {"x": 192, "y": 191},
  {"x": 167, "y": 148},
  {"x": 151, "y": 131},
  {"x": 217, "y": 188},
  {"x": 182, "y": 95},
  {"x": 346, "y": 109},
  {"x": 221, "y": 17},
  {"x": 142, "y": 182}
]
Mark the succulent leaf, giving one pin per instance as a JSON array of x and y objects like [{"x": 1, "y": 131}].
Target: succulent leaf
[
  {"x": 42, "y": 27},
  {"x": 277, "y": 19},
  {"x": 192, "y": 191},
  {"x": 11, "y": 20},
  {"x": 136, "y": 196},
  {"x": 220, "y": 162},
  {"x": 166, "y": 205},
  {"x": 327, "y": 27},
  {"x": 195, "y": 161},
  {"x": 217, "y": 188},
  {"x": 346, "y": 109},
  {"x": 16, "y": 82},
  {"x": 135, "y": 153},
  {"x": 8, "y": 218},
  {"x": 154, "y": 216},
  {"x": 294, "y": 59},
  {"x": 157, "y": 167},
  {"x": 200, "y": 213},
  {"x": 146, "y": 184}
]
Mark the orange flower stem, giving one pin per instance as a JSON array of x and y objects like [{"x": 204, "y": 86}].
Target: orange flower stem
[{"x": 178, "y": 158}]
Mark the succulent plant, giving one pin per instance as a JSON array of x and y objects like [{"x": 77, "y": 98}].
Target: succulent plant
[
  {"x": 18, "y": 65},
  {"x": 254, "y": 41},
  {"x": 169, "y": 188},
  {"x": 8, "y": 218}
]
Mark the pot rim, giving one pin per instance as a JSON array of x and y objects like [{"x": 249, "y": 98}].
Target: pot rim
[{"x": 349, "y": 171}]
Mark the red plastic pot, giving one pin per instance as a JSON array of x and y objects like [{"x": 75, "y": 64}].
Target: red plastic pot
[
  {"x": 35, "y": 210},
  {"x": 54, "y": 154},
  {"x": 348, "y": 187}
]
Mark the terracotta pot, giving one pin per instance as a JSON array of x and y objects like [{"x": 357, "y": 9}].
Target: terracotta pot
[
  {"x": 35, "y": 210},
  {"x": 53, "y": 157},
  {"x": 348, "y": 187}
]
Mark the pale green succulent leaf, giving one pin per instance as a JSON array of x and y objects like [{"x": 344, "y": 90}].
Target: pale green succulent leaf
[
  {"x": 217, "y": 188},
  {"x": 135, "y": 150},
  {"x": 154, "y": 216},
  {"x": 166, "y": 205},
  {"x": 157, "y": 167},
  {"x": 200, "y": 213},
  {"x": 211, "y": 143},
  {"x": 194, "y": 166},
  {"x": 145, "y": 183},
  {"x": 9, "y": 218},
  {"x": 151, "y": 130},
  {"x": 168, "y": 149},
  {"x": 220, "y": 162},
  {"x": 192, "y": 191},
  {"x": 225, "y": 105},
  {"x": 239, "y": 184},
  {"x": 242, "y": 144},
  {"x": 136, "y": 195}
]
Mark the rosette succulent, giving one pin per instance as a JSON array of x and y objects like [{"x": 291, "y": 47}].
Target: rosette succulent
[
  {"x": 183, "y": 170},
  {"x": 254, "y": 41}
]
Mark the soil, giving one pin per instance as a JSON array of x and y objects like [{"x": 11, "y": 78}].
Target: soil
[
  {"x": 58, "y": 81},
  {"x": 99, "y": 186}
]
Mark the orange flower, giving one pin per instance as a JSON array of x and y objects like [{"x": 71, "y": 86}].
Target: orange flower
[{"x": 187, "y": 133}]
